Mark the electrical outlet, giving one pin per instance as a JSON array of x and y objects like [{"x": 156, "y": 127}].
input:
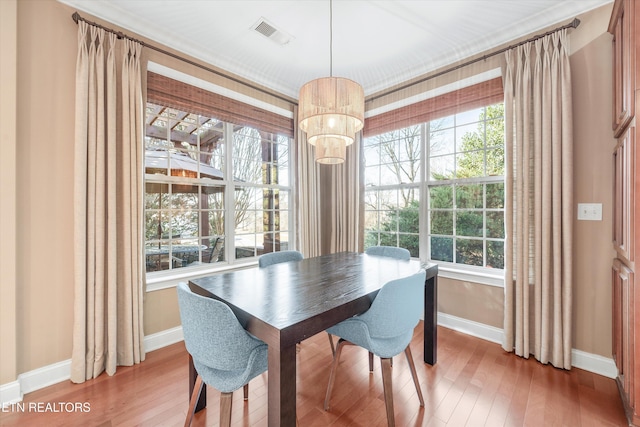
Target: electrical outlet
[{"x": 590, "y": 211}]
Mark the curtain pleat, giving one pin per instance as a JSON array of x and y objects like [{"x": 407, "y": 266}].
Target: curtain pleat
[
  {"x": 346, "y": 195},
  {"x": 108, "y": 283},
  {"x": 330, "y": 206},
  {"x": 308, "y": 188},
  {"x": 538, "y": 201}
]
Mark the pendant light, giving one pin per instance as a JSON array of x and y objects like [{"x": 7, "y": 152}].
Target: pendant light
[{"x": 331, "y": 111}]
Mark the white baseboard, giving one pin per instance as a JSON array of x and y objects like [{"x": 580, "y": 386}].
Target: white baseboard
[
  {"x": 45, "y": 376},
  {"x": 48, "y": 375},
  {"x": 10, "y": 393},
  {"x": 42, "y": 377},
  {"x": 162, "y": 339},
  {"x": 604, "y": 366},
  {"x": 600, "y": 365},
  {"x": 469, "y": 327}
]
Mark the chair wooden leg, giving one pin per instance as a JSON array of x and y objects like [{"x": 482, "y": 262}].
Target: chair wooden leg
[
  {"x": 332, "y": 375},
  {"x": 388, "y": 390},
  {"x": 195, "y": 395},
  {"x": 371, "y": 362},
  {"x": 414, "y": 374},
  {"x": 246, "y": 391},
  {"x": 226, "y": 400},
  {"x": 333, "y": 348}
]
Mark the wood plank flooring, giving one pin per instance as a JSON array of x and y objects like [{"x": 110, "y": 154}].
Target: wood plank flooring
[{"x": 474, "y": 383}]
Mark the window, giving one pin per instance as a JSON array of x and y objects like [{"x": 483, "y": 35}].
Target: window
[
  {"x": 214, "y": 191},
  {"x": 261, "y": 176},
  {"x": 392, "y": 189},
  {"x": 462, "y": 157}
]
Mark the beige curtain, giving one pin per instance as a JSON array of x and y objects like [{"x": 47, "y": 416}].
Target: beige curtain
[
  {"x": 539, "y": 204},
  {"x": 308, "y": 196},
  {"x": 345, "y": 197},
  {"x": 108, "y": 259},
  {"x": 329, "y": 200}
]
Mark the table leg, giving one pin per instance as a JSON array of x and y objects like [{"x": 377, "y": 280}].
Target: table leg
[
  {"x": 202, "y": 402},
  {"x": 282, "y": 386},
  {"x": 431, "y": 320}
]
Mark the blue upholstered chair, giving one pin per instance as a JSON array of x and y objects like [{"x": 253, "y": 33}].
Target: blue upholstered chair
[
  {"x": 224, "y": 354},
  {"x": 278, "y": 257},
  {"x": 385, "y": 330},
  {"x": 389, "y": 251}
]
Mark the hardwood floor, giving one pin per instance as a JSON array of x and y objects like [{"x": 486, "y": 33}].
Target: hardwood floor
[{"x": 474, "y": 383}]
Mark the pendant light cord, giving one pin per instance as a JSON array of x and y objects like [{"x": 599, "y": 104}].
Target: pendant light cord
[{"x": 330, "y": 38}]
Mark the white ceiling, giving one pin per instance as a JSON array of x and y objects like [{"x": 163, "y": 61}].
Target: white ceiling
[{"x": 379, "y": 44}]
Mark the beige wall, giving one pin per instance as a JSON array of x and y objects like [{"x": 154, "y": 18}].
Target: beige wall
[
  {"x": 8, "y": 75},
  {"x": 593, "y": 148},
  {"x": 43, "y": 287}
]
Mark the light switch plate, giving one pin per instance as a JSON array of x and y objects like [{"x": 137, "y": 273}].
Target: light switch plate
[{"x": 590, "y": 211}]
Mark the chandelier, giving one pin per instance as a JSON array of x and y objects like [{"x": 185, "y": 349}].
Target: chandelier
[{"x": 331, "y": 111}]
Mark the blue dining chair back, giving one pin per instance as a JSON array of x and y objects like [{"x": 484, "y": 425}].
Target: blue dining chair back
[
  {"x": 385, "y": 330},
  {"x": 389, "y": 251},
  {"x": 224, "y": 354},
  {"x": 278, "y": 257}
]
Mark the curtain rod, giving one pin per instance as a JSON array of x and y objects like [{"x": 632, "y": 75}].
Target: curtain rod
[
  {"x": 572, "y": 24},
  {"x": 76, "y": 17}
]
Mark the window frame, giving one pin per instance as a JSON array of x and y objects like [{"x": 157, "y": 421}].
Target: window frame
[
  {"x": 162, "y": 279},
  {"x": 483, "y": 275}
]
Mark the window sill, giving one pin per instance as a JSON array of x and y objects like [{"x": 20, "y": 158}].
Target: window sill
[
  {"x": 169, "y": 279},
  {"x": 484, "y": 276}
]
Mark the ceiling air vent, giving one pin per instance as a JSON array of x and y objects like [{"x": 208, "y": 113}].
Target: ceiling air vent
[{"x": 268, "y": 30}]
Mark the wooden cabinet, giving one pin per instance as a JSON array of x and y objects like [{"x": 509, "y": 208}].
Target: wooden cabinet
[
  {"x": 623, "y": 327},
  {"x": 624, "y": 160},
  {"x": 626, "y": 191},
  {"x": 623, "y": 77}
]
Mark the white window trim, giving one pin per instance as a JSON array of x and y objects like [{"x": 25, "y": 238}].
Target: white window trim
[
  {"x": 170, "y": 278},
  {"x": 481, "y": 275}
]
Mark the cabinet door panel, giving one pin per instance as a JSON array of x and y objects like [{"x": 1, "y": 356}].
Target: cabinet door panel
[
  {"x": 624, "y": 195},
  {"x": 623, "y": 326},
  {"x": 620, "y": 27}
]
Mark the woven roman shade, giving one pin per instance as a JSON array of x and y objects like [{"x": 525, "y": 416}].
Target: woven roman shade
[
  {"x": 185, "y": 97},
  {"x": 468, "y": 98}
]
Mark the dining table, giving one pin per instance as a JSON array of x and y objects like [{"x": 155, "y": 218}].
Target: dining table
[{"x": 283, "y": 304}]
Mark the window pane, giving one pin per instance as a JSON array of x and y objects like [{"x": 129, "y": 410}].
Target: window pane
[
  {"x": 441, "y": 197},
  {"x": 469, "y": 223},
  {"x": 495, "y": 225},
  {"x": 411, "y": 242},
  {"x": 372, "y": 176},
  {"x": 495, "y": 254},
  {"x": 469, "y": 137},
  {"x": 469, "y": 252},
  {"x": 388, "y": 239},
  {"x": 442, "y": 249},
  {"x": 442, "y": 167},
  {"x": 441, "y": 140},
  {"x": 442, "y": 222},
  {"x": 495, "y": 196},
  {"x": 495, "y": 162},
  {"x": 247, "y": 155},
  {"x": 469, "y": 116},
  {"x": 469, "y": 196}
]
